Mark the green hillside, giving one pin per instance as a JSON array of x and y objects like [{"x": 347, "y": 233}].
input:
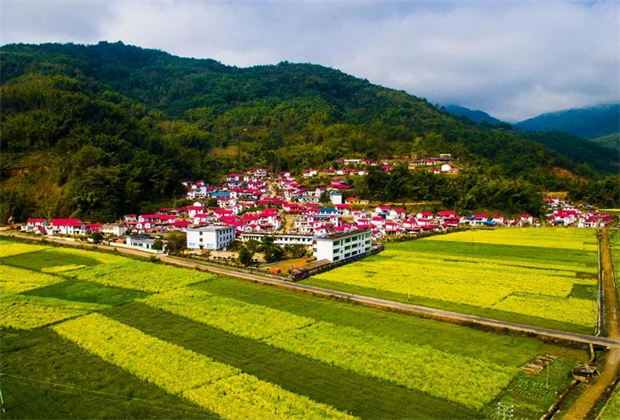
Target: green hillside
[
  {"x": 610, "y": 141},
  {"x": 95, "y": 131},
  {"x": 587, "y": 122}
]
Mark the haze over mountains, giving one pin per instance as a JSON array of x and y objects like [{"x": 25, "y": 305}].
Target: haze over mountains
[
  {"x": 590, "y": 122},
  {"x": 111, "y": 128}
]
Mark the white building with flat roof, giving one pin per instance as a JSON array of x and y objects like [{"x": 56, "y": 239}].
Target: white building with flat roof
[
  {"x": 280, "y": 239},
  {"x": 210, "y": 237},
  {"x": 341, "y": 246}
]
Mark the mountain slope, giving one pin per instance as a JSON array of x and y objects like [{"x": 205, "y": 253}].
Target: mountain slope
[
  {"x": 610, "y": 141},
  {"x": 585, "y": 122},
  {"x": 110, "y": 128},
  {"x": 474, "y": 115}
]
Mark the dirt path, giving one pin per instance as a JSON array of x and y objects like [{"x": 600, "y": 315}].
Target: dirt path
[{"x": 585, "y": 406}]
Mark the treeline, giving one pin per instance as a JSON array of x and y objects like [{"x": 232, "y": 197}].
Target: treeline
[
  {"x": 70, "y": 149},
  {"x": 473, "y": 189}
]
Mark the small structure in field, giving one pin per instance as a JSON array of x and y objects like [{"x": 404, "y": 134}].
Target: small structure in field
[
  {"x": 537, "y": 365},
  {"x": 584, "y": 373}
]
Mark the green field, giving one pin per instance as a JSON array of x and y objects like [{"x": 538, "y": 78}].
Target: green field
[
  {"x": 612, "y": 410},
  {"x": 542, "y": 277},
  {"x": 91, "y": 340}
]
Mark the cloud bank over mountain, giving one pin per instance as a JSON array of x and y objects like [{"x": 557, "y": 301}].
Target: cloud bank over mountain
[{"x": 512, "y": 59}]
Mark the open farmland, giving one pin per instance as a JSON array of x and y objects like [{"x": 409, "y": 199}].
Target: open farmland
[
  {"x": 541, "y": 277},
  {"x": 168, "y": 342}
]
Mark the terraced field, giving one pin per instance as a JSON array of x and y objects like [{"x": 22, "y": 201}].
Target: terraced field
[
  {"x": 542, "y": 277},
  {"x": 103, "y": 336}
]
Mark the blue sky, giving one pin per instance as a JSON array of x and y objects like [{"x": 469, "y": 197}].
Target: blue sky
[{"x": 513, "y": 59}]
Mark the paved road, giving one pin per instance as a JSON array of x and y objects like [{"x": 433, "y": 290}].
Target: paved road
[{"x": 423, "y": 311}]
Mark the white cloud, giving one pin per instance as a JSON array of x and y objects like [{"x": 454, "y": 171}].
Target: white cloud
[{"x": 512, "y": 59}]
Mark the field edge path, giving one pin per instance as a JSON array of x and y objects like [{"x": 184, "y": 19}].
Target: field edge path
[{"x": 585, "y": 406}]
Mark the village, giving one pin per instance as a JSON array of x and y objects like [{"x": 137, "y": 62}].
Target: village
[{"x": 256, "y": 204}]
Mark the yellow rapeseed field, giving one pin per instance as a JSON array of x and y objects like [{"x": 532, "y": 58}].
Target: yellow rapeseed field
[
  {"x": 221, "y": 388},
  {"x": 471, "y": 382}
]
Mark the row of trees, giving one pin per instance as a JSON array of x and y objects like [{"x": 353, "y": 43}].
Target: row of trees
[{"x": 271, "y": 251}]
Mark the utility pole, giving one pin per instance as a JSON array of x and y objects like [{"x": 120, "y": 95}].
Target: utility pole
[
  {"x": 548, "y": 374},
  {"x": 505, "y": 411}
]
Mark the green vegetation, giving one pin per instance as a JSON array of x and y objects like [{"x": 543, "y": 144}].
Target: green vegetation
[
  {"x": 610, "y": 141},
  {"x": 83, "y": 291},
  {"x": 612, "y": 411},
  {"x": 46, "y": 376},
  {"x": 587, "y": 122},
  {"x": 245, "y": 350},
  {"x": 322, "y": 382},
  {"x": 504, "y": 274},
  {"x": 136, "y": 122},
  {"x": 458, "y": 379}
]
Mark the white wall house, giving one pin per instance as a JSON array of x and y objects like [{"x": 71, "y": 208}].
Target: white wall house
[
  {"x": 290, "y": 239},
  {"x": 210, "y": 237},
  {"x": 116, "y": 229},
  {"x": 66, "y": 227},
  {"x": 140, "y": 241},
  {"x": 341, "y": 246}
]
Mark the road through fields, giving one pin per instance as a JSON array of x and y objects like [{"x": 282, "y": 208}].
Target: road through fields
[{"x": 443, "y": 315}]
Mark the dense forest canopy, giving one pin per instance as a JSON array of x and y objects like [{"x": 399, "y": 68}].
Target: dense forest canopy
[{"x": 97, "y": 131}]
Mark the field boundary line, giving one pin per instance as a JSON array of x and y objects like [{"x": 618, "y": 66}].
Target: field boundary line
[
  {"x": 545, "y": 334},
  {"x": 601, "y": 288},
  {"x": 100, "y": 394}
]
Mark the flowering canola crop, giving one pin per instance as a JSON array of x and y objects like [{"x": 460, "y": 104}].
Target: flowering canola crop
[
  {"x": 221, "y": 388},
  {"x": 471, "y": 382}
]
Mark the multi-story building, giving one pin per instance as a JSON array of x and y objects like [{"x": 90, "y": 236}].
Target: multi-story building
[
  {"x": 281, "y": 239},
  {"x": 210, "y": 237},
  {"x": 340, "y": 246}
]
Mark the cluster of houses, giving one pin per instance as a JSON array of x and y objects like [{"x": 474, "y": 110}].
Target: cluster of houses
[
  {"x": 356, "y": 167},
  {"x": 69, "y": 227},
  {"x": 256, "y": 203},
  {"x": 562, "y": 213}
]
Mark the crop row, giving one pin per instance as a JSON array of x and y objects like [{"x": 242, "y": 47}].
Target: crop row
[
  {"x": 471, "y": 382},
  {"x": 580, "y": 239},
  {"x": 8, "y": 249},
  {"x": 612, "y": 411},
  {"x": 571, "y": 310},
  {"x": 557, "y": 267},
  {"x": 138, "y": 275},
  {"x": 29, "y": 312},
  {"x": 459, "y": 282},
  {"x": 258, "y": 321},
  {"x": 218, "y": 387},
  {"x": 63, "y": 268},
  {"x": 13, "y": 279}
]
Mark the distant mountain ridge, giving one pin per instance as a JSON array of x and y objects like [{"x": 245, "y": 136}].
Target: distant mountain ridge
[
  {"x": 473, "y": 114},
  {"x": 590, "y": 122}
]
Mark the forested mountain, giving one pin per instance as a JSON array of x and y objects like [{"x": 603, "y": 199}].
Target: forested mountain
[
  {"x": 610, "y": 141},
  {"x": 473, "y": 114},
  {"x": 588, "y": 122},
  {"x": 95, "y": 131}
]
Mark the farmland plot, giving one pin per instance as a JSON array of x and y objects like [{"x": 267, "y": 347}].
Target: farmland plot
[
  {"x": 511, "y": 274},
  {"x": 210, "y": 347}
]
